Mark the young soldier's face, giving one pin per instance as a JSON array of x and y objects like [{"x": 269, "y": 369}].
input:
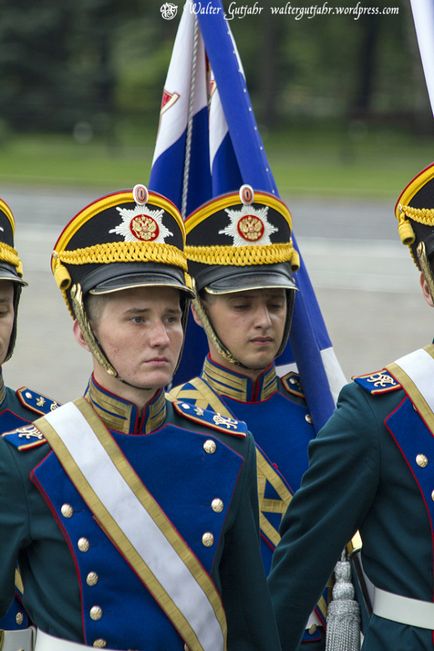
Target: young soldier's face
[
  {"x": 6, "y": 316},
  {"x": 141, "y": 332},
  {"x": 251, "y": 325}
]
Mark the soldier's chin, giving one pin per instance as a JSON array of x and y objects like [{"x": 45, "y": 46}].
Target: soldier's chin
[
  {"x": 256, "y": 365},
  {"x": 154, "y": 381}
]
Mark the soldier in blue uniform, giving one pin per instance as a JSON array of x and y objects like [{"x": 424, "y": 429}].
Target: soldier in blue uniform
[
  {"x": 17, "y": 408},
  {"x": 242, "y": 260},
  {"x": 134, "y": 519},
  {"x": 371, "y": 468}
]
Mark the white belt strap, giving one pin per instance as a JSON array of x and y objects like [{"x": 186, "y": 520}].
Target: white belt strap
[
  {"x": 419, "y": 367},
  {"x": 403, "y": 610},
  {"x": 414, "y": 372},
  {"x": 20, "y": 640},
  {"x": 45, "y": 642}
]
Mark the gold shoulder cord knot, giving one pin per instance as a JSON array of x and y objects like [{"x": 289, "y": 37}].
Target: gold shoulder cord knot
[
  {"x": 63, "y": 279},
  {"x": 405, "y": 229},
  {"x": 295, "y": 258},
  {"x": 9, "y": 255},
  {"x": 424, "y": 216},
  {"x": 86, "y": 330}
]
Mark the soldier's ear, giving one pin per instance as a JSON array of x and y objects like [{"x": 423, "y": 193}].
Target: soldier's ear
[
  {"x": 425, "y": 291},
  {"x": 196, "y": 316},
  {"x": 78, "y": 335}
]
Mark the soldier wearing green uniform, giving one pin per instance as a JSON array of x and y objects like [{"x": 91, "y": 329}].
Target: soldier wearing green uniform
[
  {"x": 371, "y": 469},
  {"x": 242, "y": 260},
  {"x": 17, "y": 408},
  {"x": 134, "y": 520}
]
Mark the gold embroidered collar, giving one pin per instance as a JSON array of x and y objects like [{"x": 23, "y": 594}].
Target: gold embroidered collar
[
  {"x": 121, "y": 415},
  {"x": 235, "y": 385}
]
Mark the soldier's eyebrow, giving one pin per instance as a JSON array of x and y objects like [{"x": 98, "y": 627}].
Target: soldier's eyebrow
[
  {"x": 236, "y": 296},
  {"x": 142, "y": 310},
  {"x": 137, "y": 309}
]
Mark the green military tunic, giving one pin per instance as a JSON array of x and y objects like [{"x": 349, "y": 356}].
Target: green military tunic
[
  {"x": 36, "y": 526},
  {"x": 359, "y": 478},
  {"x": 17, "y": 409}
]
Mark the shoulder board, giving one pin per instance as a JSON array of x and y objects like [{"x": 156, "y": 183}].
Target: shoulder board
[
  {"x": 25, "y": 438},
  {"x": 35, "y": 401},
  {"x": 212, "y": 419},
  {"x": 292, "y": 383},
  {"x": 377, "y": 383}
]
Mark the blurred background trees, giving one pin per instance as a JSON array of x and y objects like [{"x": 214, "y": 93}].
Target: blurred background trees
[
  {"x": 86, "y": 66},
  {"x": 336, "y": 99}
]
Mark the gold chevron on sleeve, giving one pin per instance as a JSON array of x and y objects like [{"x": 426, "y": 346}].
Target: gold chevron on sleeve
[{"x": 267, "y": 474}]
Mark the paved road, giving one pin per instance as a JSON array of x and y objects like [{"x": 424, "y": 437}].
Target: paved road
[{"x": 366, "y": 285}]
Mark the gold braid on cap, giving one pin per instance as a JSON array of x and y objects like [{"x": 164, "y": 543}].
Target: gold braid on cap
[
  {"x": 86, "y": 330},
  {"x": 125, "y": 252},
  {"x": 422, "y": 215},
  {"x": 9, "y": 255},
  {"x": 244, "y": 256}
]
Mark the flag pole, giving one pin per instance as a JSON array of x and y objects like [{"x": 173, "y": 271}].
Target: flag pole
[{"x": 190, "y": 117}]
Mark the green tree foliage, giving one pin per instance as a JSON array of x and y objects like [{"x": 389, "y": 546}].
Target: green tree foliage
[{"x": 95, "y": 64}]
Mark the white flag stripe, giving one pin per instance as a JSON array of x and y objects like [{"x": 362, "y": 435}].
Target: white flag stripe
[
  {"x": 333, "y": 370},
  {"x": 218, "y": 125},
  {"x": 178, "y": 80},
  {"x": 423, "y": 16}
]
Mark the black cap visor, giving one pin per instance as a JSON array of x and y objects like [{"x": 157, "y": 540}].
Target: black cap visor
[
  {"x": 244, "y": 279},
  {"x": 136, "y": 280},
  {"x": 117, "y": 277},
  {"x": 7, "y": 272}
]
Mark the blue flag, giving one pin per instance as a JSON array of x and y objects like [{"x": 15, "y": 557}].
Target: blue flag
[{"x": 208, "y": 143}]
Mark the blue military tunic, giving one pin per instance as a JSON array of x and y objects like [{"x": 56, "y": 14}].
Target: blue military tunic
[
  {"x": 275, "y": 411},
  {"x": 17, "y": 409},
  {"x": 200, "y": 469},
  {"x": 371, "y": 470}
]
